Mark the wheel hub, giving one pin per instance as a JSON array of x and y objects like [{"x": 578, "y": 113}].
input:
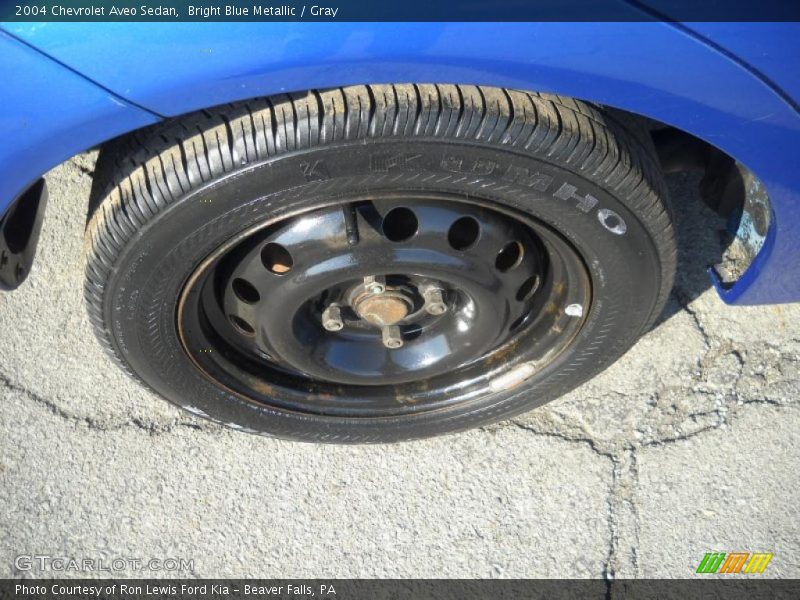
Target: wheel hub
[{"x": 383, "y": 308}]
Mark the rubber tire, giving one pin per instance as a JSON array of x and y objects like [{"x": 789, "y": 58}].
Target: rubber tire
[{"x": 167, "y": 196}]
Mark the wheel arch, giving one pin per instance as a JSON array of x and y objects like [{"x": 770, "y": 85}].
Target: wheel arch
[{"x": 672, "y": 77}]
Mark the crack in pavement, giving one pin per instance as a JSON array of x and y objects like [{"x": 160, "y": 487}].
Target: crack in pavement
[
  {"x": 611, "y": 520},
  {"x": 668, "y": 414},
  {"x": 666, "y": 419},
  {"x": 624, "y": 481},
  {"x": 150, "y": 428},
  {"x": 684, "y": 301},
  {"x": 683, "y": 406}
]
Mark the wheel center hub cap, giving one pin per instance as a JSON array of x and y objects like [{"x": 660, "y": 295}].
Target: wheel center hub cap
[{"x": 382, "y": 310}]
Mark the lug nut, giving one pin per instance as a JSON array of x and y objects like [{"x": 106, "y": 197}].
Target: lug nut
[
  {"x": 434, "y": 301},
  {"x": 332, "y": 318},
  {"x": 375, "y": 284},
  {"x": 391, "y": 337},
  {"x": 437, "y": 309}
]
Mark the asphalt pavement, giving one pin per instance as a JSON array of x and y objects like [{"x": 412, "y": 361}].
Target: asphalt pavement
[{"x": 688, "y": 444}]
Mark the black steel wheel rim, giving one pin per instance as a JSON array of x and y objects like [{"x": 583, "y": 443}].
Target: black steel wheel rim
[{"x": 296, "y": 313}]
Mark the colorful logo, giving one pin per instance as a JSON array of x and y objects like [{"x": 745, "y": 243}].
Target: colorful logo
[{"x": 734, "y": 562}]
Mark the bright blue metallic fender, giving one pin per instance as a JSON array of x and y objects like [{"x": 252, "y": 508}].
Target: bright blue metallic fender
[
  {"x": 48, "y": 114},
  {"x": 733, "y": 85}
]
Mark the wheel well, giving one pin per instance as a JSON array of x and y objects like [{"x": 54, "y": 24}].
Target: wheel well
[
  {"x": 723, "y": 183},
  {"x": 727, "y": 187}
]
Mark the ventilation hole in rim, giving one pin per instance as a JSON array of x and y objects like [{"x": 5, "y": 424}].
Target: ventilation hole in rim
[
  {"x": 242, "y": 325},
  {"x": 463, "y": 233},
  {"x": 400, "y": 224},
  {"x": 245, "y": 291},
  {"x": 509, "y": 257},
  {"x": 276, "y": 259},
  {"x": 528, "y": 288}
]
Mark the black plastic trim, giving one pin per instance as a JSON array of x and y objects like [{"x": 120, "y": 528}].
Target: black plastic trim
[{"x": 19, "y": 235}]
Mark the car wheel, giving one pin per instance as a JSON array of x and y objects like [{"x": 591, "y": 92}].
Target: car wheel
[{"x": 377, "y": 263}]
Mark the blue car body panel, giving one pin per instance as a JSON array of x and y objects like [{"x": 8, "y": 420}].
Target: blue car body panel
[
  {"x": 733, "y": 85},
  {"x": 48, "y": 114},
  {"x": 769, "y": 48}
]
